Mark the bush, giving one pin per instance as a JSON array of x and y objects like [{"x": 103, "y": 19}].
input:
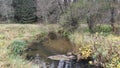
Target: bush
[
  {"x": 103, "y": 28},
  {"x": 69, "y": 22},
  {"x": 72, "y": 16},
  {"x": 24, "y": 11},
  {"x": 105, "y": 50},
  {"x": 17, "y": 47}
]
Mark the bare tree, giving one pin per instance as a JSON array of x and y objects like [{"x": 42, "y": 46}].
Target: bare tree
[{"x": 50, "y": 10}]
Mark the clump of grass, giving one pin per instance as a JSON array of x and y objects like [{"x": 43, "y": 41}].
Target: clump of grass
[
  {"x": 103, "y": 28},
  {"x": 17, "y": 47}
]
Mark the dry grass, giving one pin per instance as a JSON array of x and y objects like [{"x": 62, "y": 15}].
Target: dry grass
[{"x": 11, "y": 32}]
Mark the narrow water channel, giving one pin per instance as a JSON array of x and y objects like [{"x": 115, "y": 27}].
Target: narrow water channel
[{"x": 38, "y": 53}]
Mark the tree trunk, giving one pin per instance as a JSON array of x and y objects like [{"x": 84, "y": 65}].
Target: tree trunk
[
  {"x": 90, "y": 23},
  {"x": 112, "y": 19},
  {"x": 113, "y": 15}
]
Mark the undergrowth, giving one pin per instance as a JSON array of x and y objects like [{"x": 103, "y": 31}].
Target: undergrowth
[{"x": 105, "y": 50}]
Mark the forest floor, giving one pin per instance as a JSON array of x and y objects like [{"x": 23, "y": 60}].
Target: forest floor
[{"x": 96, "y": 45}]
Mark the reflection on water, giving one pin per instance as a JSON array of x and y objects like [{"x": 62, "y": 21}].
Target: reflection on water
[{"x": 49, "y": 46}]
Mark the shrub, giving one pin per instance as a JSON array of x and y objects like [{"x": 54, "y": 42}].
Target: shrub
[
  {"x": 105, "y": 50},
  {"x": 103, "y": 28},
  {"x": 17, "y": 47},
  {"x": 82, "y": 45},
  {"x": 72, "y": 16},
  {"x": 69, "y": 22}
]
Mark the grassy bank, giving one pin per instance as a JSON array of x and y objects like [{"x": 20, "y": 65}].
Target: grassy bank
[{"x": 12, "y": 32}]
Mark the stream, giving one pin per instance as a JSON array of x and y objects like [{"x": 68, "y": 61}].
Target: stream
[{"x": 38, "y": 53}]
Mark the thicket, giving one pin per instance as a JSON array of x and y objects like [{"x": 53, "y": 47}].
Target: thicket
[
  {"x": 24, "y": 11},
  {"x": 69, "y": 13},
  {"x": 92, "y": 13}
]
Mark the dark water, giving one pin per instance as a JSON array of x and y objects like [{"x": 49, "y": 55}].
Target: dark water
[
  {"x": 39, "y": 55},
  {"x": 62, "y": 64}
]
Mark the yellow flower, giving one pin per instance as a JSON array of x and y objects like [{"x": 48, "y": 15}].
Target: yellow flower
[
  {"x": 90, "y": 62},
  {"x": 111, "y": 65},
  {"x": 115, "y": 59}
]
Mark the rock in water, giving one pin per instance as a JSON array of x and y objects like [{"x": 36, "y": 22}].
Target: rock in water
[{"x": 61, "y": 57}]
